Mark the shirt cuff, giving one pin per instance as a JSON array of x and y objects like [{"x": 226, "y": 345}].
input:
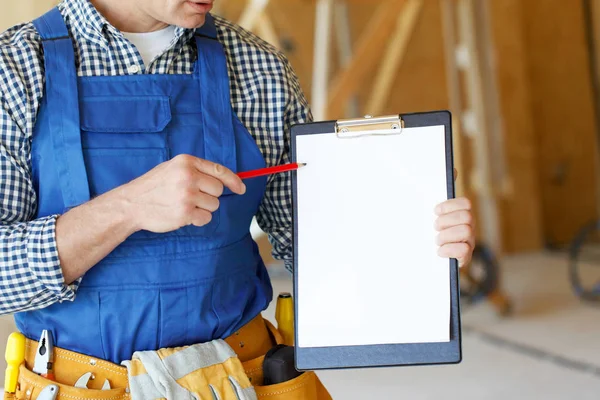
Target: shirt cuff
[
  {"x": 44, "y": 262},
  {"x": 289, "y": 265}
]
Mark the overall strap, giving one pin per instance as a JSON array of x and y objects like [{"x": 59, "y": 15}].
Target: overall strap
[
  {"x": 61, "y": 99},
  {"x": 217, "y": 115}
]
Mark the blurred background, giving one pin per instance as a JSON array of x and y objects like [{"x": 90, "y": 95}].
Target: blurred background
[{"x": 522, "y": 81}]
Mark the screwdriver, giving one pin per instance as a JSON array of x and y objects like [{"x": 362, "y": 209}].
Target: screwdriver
[
  {"x": 284, "y": 315},
  {"x": 15, "y": 355}
]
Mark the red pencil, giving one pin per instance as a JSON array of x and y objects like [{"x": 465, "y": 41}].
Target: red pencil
[{"x": 271, "y": 170}]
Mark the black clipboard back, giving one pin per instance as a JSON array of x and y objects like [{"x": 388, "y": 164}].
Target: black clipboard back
[{"x": 384, "y": 355}]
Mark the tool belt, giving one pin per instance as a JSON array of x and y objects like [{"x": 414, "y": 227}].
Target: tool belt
[{"x": 250, "y": 343}]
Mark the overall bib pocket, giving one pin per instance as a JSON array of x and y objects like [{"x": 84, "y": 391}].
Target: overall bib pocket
[
  {"x": 110, "y": 167},
  {"x": 123, "y": 138}
]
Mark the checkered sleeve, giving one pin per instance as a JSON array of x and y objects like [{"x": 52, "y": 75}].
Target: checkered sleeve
[
  {"x": 30, "y": 272},
  {"x": 275, "y": 216}
]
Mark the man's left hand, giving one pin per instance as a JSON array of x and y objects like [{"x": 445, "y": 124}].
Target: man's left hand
[{"x": 455, "y": 225}]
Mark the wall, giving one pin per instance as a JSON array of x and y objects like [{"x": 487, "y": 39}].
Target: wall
[
  {"x": 563, "y": 115},
  {"x": 19, "y": 11}
]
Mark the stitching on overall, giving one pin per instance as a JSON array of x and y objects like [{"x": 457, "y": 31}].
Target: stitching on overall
[
  {"x": 68, "y": 196},
  {"x": 100, "y": 325}
]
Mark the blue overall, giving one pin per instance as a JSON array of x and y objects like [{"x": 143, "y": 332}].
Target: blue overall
[{"x": 96, "y": 133}]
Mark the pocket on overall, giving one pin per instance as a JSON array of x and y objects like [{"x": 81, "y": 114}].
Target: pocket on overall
[
  {"x": 122, "y": 138},
  {"x": 129, "y": 321},
  {"x": 108, "y": 168}
]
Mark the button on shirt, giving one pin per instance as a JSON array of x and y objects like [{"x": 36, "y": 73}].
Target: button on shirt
[{"x": 265, "y": 95}]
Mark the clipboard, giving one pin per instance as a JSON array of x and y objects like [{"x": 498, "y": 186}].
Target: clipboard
[{"x": 316, "y": 347}]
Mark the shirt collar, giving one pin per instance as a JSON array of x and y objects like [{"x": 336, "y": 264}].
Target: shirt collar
[{"x": 87, "y": 21}]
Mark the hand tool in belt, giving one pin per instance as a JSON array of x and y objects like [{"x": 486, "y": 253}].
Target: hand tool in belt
[
  {"x": 50, "y": 392},
  {"x": 84, "y": 379},
  {"x": 44, "y": 356},
  {"x": 15, "y": 355}
]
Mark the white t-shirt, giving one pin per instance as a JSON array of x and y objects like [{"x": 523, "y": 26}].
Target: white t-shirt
[{"x": 151, "y": 44}]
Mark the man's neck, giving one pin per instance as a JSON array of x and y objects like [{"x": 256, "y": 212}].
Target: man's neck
[{"x": 127, "y": 17}]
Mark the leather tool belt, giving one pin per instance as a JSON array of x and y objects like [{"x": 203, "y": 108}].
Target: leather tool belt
[{"x": 250, "y": 343}]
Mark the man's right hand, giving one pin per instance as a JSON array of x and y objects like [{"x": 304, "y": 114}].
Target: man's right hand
[{"x": 182, "y": 191}]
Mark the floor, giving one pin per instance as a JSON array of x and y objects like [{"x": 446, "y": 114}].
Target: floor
[{"x": 548, "y": 349}]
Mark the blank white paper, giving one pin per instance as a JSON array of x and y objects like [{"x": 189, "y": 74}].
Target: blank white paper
[{"x": 368, "y": 269}]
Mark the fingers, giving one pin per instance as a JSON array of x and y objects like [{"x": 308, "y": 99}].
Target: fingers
[
  {"x": 461, "y": 217},
  {"x": 461, "y": 203},
  {"x": 203, "y": 207},
  {"x": 455, "y": 224},
  {"x": 209, "y": 185},
  {"x": 207, "y": 202},
  {"x": 199, "y": 217},
  {"x": 223, "y": 174},
  {"x": 460, "y": 251},
  {"x": 455, "y": 234}
]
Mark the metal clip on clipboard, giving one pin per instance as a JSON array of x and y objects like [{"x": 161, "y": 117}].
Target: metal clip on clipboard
[{"x": 385, "y": 125}]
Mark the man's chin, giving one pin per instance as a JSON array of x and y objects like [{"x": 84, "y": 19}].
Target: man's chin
[{"x": 193, "y": 22}]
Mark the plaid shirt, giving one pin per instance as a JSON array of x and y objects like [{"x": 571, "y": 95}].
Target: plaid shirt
[{"x": 30, "y": 271}]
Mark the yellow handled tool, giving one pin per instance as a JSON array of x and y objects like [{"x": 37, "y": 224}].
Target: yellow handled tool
[
  {"x": 284, "y": 314},
  {"x": 15, "y": 355}
]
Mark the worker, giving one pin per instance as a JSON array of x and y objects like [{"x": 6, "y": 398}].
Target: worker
[{"x": 124, "y": 226}]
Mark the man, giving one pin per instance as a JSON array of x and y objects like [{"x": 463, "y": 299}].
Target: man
[{"x": 110, "y": 111}]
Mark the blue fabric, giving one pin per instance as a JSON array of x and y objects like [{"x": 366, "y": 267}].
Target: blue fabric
[{"x": 155, "y": 290}]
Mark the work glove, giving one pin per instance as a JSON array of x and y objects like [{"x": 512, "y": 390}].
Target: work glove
[{"x": 207, "y": 371}]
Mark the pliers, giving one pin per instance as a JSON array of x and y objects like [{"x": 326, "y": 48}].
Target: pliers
[{"x": 44, "y": 356}]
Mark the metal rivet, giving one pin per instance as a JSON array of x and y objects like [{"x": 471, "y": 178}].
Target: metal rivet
[
  {"x": 241, "y": 344},
  {"x": 345, "y": 130},
  {"x": 28, "y": 393},
  {"x": 92, "y": 361},
  {"x": 368, "y": 116},
  {"x": 395, "y": 126}
]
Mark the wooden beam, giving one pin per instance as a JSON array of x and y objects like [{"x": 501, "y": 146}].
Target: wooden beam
[
  {"x": 266, "y": 30},
  {"x": 393, "y": 57},
  {"x": 252, "y": 13},
  {"x": 322, "y": 58},
  {"x": 522, "y": 228},
  {"x": 368, "y": 49},
  {"x": 478, "y": 127},
  {"x": 343, "y": 34},
  {"x": 454, "y": 91}
]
